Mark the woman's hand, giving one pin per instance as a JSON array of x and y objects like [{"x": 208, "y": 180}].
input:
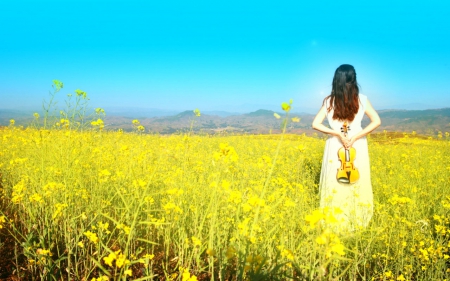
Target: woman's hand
[
  {"x": 344, "y": 140},
  {"x": 349, "y": 142}
]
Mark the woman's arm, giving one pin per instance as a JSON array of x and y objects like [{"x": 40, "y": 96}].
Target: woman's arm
[
  {"x": 317, "y": 125},
  {"x": 374, "y": 123}
]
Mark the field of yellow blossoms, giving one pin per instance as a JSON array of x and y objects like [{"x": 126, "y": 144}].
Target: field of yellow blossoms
[
  {"x": 107, "y": 205},
  {"x": 99, "y": 205}
]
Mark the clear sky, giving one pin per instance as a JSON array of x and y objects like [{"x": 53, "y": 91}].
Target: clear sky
[{"x": 223, "y": 55}]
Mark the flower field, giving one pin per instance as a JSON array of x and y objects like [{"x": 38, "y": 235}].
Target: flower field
[{"x": 102, "y": 205}]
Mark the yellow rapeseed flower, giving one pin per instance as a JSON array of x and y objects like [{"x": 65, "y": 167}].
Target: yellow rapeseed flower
[
  {"x": 2, "y": 221},
  {"x": 186, "y": 276},
  {"x": 128, "y": 272},
  {"x": 285, "y": 106},
  {"x": 91, "y": 236},
  {"x": 121, "y": 260},
  {"x": 195, "y": 241},
  {"x": 110, "y": 258}
]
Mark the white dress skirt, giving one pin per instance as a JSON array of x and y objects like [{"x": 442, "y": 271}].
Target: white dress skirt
[{"x": 351, "y": 204}]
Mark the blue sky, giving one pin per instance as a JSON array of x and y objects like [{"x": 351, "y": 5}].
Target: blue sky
[{"x": 223, "y": 55}]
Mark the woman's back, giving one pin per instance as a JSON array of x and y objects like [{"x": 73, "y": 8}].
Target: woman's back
[{"x": 355, "y": 125}]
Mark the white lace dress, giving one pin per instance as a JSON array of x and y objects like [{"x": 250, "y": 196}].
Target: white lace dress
[{"x": 354, "y": 200}]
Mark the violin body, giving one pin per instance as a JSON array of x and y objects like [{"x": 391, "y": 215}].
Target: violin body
[{"x": 347, "y": 173}]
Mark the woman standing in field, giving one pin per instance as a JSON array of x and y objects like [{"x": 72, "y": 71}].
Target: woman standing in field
[{"x": 352, "y": 203}]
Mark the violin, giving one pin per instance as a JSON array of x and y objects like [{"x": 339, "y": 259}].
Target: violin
[{"x": 347, "y": 173}]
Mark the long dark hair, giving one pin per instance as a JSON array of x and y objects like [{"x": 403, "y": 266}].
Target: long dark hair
[{"x": 344, "y": 97}]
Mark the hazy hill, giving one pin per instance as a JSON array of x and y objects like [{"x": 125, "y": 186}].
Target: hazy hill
[
  {"x": 260, "y": 113},
  {"x": 424, "y": 121},
  {"x": 262, "y": 121}
]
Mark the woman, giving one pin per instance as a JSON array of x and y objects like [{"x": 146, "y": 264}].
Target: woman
[{"x": 352, "y": 203}]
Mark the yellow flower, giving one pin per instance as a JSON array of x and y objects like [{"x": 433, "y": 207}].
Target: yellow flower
[
  {"x": 121, "y": 260},
  {"x": 211, "y": 252},
  {"x": 315, "y": 217},
  {"x": 285, "y": 106},
  {"x": 149, "y": 256},
  {"x": 59, "y": 210},
  {"x": 91, "y": 236},
  {"x": 110, "y": 258},
  {"x": 58, "y": 84},
  {"x": 43, "y": 252},
  {"x": 36, "y": 198},
  {"x": 186, "y": 276},
  {"x": 128, "y": 272},
  {"x": 196, "y": 241},
  {"x": 81, "y": 93},
  {"x": 321, "y": 240},
  {"x": 99, "y": 110},
  {"x": 338, "y": 249},
  {"x": 104, "y": 173},
  {"x": 287, "y": 254},
  {"x": 2, "y": 220},
  {"x": 103, "y": 226}
]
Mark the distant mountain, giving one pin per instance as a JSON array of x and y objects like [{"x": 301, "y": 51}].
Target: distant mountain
[
  {"x": 136, "y": 112},
  {"x": 409, "y": 106},
  {"x": 260, "y": 113},
  {"x": 21, "y": 117},
  {"x": 394, "y": 113},
  {"x": 422, "y": 121},
  {"x": 220, "y": 113},
  {"x": 261, "y": 121}
]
